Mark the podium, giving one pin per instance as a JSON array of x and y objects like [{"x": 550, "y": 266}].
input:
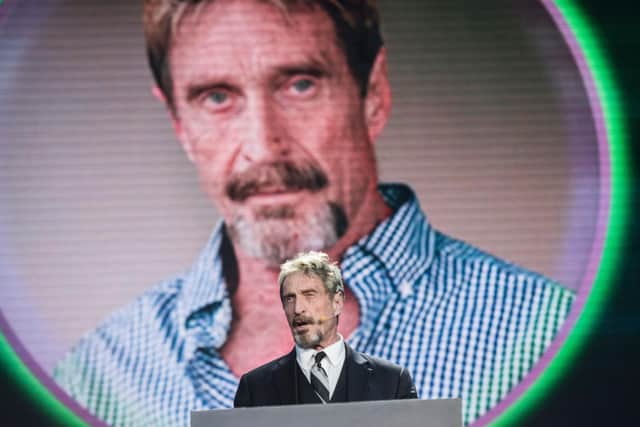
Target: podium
[{"x": 384, "y": 413}]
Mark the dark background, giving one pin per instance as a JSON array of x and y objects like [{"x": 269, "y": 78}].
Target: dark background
[{"x": 601, "y": 388}]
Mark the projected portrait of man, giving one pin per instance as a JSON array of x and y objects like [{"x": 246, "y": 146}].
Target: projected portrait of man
[{"x": 278, "y": 105}]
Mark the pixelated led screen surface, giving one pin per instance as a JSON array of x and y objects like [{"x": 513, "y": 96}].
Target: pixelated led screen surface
[{"x": 505, "y": 124}]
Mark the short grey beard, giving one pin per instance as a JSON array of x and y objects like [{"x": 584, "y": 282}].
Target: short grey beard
[
  {"x": 313, "y": 340},
  {"x": 274, "y": 234}
]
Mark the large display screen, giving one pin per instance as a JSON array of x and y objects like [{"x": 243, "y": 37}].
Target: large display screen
[{"x": 493, "y": 130}]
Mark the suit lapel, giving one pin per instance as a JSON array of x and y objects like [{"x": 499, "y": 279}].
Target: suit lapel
[
  {"x": 284, "y": 377},
  {"x": 358, "y": 372}
]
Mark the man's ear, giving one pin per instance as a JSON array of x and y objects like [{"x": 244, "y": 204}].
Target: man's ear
[
  {"x": 338, "y": 303},
  {"x": 378, "y": 97},
  {"x": 187, "y": 146}
]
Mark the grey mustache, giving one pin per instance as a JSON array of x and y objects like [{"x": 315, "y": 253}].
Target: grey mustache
[{"x": 275, "y": 176}]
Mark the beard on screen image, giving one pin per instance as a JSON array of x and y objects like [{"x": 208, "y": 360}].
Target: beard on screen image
[{"x": 275, "y": 232}]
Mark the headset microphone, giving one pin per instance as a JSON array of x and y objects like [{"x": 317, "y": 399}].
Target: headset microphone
[{"x": 323, "y": 319}]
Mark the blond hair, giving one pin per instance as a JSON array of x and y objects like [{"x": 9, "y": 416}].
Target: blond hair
[{"x": 316, "y": 264}]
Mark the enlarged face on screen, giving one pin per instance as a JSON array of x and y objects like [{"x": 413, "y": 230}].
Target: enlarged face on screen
[
  {"x": 311, "y": 310},
  {"x": 268, "y": 111}
]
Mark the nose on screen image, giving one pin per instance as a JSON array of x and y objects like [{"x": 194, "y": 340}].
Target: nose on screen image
[{"x": 462, "y": 164}]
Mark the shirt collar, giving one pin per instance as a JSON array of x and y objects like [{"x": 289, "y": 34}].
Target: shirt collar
[
  {"x": 405, "y": 242},
  {"x": 335, "y": 353},
  {"x": 393, "y": 256},
  {"x": 204, "y": 283}
]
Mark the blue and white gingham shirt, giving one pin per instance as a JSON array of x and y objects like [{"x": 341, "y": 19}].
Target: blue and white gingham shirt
[{"x": 464, "y": 323}]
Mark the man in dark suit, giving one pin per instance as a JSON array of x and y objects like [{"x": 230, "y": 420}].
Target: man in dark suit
[{"x": 321, "y": 368}]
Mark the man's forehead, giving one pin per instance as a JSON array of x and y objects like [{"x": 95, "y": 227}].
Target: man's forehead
[
  {"x": 249, "y": 36},
  {"x": 299, "y": 281},
  {"x": 253, "y": 22},
  {"x": 286, "y": 8}
]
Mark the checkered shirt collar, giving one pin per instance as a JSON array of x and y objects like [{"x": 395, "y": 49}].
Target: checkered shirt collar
[
  {"x": 204, "y": 286},
  {"x": 403, "y": 243}
]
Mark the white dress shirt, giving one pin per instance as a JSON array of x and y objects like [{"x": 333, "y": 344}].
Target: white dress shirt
[{"x": 332, "y": 362}]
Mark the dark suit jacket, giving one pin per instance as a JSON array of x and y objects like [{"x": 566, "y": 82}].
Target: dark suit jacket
[{"x": 368, "y": 378}]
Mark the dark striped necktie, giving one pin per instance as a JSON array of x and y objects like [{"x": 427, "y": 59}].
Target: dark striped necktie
[{"x": 320, "y": 379}]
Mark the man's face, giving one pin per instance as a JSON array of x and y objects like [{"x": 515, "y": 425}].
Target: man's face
[
  {"x": 267, "y": 110},
  {"x": 311, "y": 310}
]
